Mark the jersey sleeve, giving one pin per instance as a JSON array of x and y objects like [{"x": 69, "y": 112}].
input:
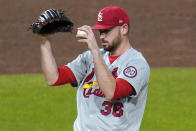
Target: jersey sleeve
[
  {"x": 136, "y": 73},
  {"x": 79, "y": 66},
  {"x": 123, "y": 89},
  {"x": 65, "y": 76}
]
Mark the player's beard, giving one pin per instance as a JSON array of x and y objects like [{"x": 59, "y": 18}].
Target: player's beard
[{"x": 113, "y": 45}]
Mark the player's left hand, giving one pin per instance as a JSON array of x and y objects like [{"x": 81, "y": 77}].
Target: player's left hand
[
  {"x": 52, "y": 21},
  {"x": 90, "y": 38}
]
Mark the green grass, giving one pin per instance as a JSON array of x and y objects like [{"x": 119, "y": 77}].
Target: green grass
[
  {"x": 28, "y": 104},
  {"x": 171, "y": 100}
]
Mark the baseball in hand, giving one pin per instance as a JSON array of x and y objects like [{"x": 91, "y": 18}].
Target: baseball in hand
[{"x": 81, "y": 34}]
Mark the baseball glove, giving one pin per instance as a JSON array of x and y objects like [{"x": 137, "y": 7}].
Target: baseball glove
[{"x": 51, "y": 21}]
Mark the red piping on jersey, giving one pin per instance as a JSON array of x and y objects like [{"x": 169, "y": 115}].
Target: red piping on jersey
[{"x": 90, "y": 76}]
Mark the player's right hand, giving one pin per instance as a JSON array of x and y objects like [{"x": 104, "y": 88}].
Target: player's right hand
[{"x": 90, "y": 38}]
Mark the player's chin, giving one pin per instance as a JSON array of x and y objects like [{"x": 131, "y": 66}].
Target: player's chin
[{"x": 106, "y": 48}]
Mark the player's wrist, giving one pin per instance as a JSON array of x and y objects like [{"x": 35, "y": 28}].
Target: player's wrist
[
  {"x": 95, "y": 51},
  {"x": 45, "y": 40}
]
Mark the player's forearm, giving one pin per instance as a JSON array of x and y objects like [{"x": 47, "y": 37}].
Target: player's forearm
[
  {"x": 104, "y": 77},
  {"x": 48, "y": 63}
]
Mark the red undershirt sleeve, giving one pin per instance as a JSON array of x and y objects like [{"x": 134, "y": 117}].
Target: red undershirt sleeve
[
  {"x": 65, "y": 76},
  {"x": 123, "y": 88}
]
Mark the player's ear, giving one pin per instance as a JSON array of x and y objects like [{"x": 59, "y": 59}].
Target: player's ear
[{"x": 124, "y": 29}]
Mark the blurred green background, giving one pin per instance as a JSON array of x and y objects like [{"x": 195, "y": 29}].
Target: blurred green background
[{"x": 28, "y": 104}]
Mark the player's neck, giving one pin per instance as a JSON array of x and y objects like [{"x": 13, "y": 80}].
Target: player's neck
[{"x": 123, "y": 47}]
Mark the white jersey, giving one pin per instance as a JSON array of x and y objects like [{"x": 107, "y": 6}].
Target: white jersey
[{"x": 95, "y": 112}]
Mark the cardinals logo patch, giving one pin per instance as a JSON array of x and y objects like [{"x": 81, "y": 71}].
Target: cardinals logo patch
[{"x": 130, "y": 72}]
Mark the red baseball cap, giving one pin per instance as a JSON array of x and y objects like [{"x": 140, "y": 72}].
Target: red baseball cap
[{"x": 111, "y": 16}]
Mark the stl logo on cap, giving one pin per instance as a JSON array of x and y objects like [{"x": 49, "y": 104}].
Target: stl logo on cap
[
  {"x": 100, "y": 17},
  {"x": 121, "y": 21},
  {"x": 111, "y": 16}
]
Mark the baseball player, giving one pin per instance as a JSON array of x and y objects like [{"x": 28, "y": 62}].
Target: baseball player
[{"x": 112, "y": 81}]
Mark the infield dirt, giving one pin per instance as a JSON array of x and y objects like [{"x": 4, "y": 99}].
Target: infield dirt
[{"x": 163, "y": 30}]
